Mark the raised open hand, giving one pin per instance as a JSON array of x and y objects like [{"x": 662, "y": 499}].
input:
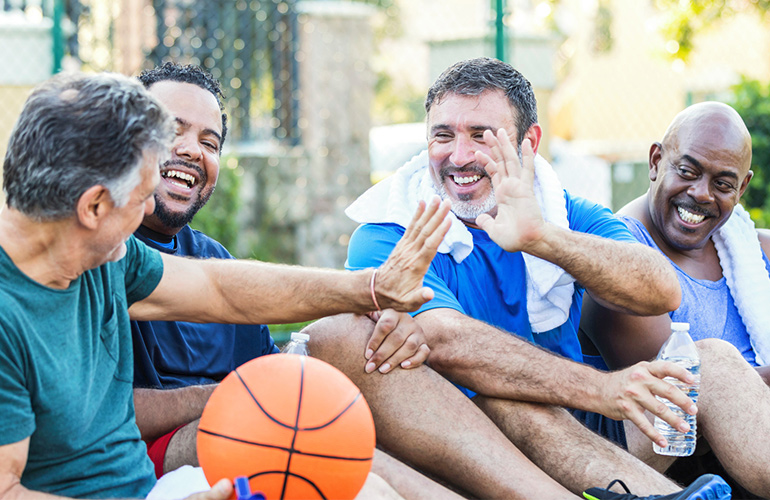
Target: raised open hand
[
  {"x": 398, "y": 283},
  {"x": 519, "y": 220}
]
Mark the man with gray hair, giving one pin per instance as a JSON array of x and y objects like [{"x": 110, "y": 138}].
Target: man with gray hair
[{"x": 79, "y": 176}]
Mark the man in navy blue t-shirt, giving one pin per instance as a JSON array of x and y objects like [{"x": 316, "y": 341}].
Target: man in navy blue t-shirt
[{"x": 178, "y": 364}]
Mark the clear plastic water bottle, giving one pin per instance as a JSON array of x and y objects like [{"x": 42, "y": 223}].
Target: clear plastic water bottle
[
  {"x": 679, "y": 349},
  {"x": 297, "y": 344}
]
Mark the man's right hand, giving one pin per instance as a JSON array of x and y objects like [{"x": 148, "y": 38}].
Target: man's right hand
[
  {"x": 398, "y": 283},
  {"x": 220, "y": 491},
  {"x": 629, "y": 392}
]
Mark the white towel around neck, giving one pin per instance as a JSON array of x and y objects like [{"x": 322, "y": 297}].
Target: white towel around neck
[
  {"x": 394, "y": 200},
  {"x": 743, "y": 267}
]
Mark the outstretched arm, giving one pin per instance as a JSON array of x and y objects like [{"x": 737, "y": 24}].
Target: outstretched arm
[
  {"x": 497, "y": 364},
  {"x": 218, "y": 291},
  {"x": 623, "y": 276}
]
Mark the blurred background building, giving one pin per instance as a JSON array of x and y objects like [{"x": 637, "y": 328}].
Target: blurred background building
[{"x": 325, "y": 96}]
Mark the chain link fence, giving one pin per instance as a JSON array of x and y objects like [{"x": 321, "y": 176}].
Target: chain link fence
[{"x": 306, "y": 81}]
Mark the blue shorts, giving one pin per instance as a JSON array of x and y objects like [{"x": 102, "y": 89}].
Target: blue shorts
[{"x": 604, "y": 426}]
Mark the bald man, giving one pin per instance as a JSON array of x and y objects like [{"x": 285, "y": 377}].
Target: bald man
[{"x": 698, "y": 173}]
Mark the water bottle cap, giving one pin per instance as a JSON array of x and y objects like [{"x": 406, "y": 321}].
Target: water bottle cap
[
  {"x": 680, "y": 327},
  {"x": 300, "y": 336}
]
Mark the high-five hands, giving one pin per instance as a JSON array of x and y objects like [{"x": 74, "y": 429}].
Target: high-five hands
[
  {"x": 398, "y": 284},
  {"x": 519, "y": 221}
]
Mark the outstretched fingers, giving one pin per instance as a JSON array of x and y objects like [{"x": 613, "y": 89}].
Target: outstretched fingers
[
  {"x": 426, "y": 230},
  {"x": 399, "y": 282}
]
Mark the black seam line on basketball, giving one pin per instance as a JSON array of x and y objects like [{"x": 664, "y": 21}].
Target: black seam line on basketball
[
  {"x": 231, "y": 438},
  {"x": 283, "y": 448},
  {"x": 330, "y": 422},
  {"x": 259, "y": 405},
  {"x": 296, "y": 424},
  {"x": 303, "y": 478}
]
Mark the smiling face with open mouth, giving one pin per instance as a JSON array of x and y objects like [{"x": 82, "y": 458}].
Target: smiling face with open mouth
[
  {"x": 188, "y": 178},
  {"x": 456, "y": 126},
  {"x": 698, "y": 175}
]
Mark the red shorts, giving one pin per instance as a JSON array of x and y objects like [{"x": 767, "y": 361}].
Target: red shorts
[{"x": 157, "y": 450}]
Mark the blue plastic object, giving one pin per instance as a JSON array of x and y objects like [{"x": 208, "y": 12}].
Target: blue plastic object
[{"x": 243, "y": 490}]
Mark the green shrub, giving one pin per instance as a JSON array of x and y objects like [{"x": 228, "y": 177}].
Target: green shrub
[{"x": 752, "y": 101}]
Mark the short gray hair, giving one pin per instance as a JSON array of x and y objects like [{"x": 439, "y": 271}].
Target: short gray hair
[
  {"x": 476, "y": 76},
  {"x": 77, "y": 131}
]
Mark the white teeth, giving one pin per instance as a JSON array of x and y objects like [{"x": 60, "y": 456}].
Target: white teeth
[
  {"x": 180, "y": 175},
  {"x": 466, "y": 180},
  {"x": 689, "y": 216}
]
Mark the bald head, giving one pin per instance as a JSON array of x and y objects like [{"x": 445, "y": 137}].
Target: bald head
[
  {"x": 698, "y": 173},
  {"x": 717, "y": 121}
]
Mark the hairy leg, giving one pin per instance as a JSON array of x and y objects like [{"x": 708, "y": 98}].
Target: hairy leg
[
  {"x": 182, "y": 448},
  {"x": 562, "y": 447},
  {"x": 733, "y": 416},
  {"x": 408, "y": 482},
  {"x": 424, "y": 420}
]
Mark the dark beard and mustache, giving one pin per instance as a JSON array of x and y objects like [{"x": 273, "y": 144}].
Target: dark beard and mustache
[{"x": 177, "y": 220}]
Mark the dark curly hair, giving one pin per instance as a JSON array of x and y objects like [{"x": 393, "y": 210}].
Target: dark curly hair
[{"x": 188, "y": 73}]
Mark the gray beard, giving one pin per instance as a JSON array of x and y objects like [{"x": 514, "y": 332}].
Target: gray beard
[{"x": 468, "y": 210}]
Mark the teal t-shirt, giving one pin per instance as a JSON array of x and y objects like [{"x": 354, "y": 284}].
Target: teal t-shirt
[{"x": 66, "y": 377}]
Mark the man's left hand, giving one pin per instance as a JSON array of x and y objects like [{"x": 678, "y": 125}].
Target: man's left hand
[{"x": 519, "y": 220}]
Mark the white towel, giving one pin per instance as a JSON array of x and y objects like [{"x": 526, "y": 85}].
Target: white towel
[
  {"x": 744, "y": 270},
  {"x": 179, "y": 483},
  {"x": 394, "y": 200}
]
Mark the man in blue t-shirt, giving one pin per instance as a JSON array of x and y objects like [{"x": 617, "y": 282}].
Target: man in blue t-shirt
[
  {"x": 79, "y": 176},
  {"x": 691, "y": 213},
  {"x": 509, "y": 279}
]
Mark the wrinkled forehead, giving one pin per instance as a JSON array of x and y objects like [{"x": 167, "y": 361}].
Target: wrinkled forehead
[
  {"x": 714, "y": 137},
  {"x": 490, "y": 107}
]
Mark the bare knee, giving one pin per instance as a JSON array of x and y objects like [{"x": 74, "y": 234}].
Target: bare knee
[
  {"x": 718, "y": 355},
  {"x": 336, "y": 338}
]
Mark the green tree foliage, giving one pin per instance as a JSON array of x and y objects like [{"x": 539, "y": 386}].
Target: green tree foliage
[
  {"x": 684, "y": 20},
  {"x": 752, "y": 101},
  {"x": 218, "y": 218}
]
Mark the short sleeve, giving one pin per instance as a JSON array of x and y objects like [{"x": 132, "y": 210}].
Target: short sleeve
[
  {"x": 371, "y": 245},
  {"x": 591, "y": 218},
  {"x": 143, "y": 270},
  {"x": 18, "y": 419}
]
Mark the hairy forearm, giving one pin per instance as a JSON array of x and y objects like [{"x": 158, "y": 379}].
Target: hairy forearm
[
  {"x": 252, "y": 292},
  {"x": 623, "y": 276},
  {"x": 497, "y": 364},
  {"x": 160, "y": 411},
  {"x": 267, "y": 293}
]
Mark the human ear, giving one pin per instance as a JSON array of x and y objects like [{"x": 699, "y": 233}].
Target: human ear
[
  {"x": 534, "y": 134},
  {"x": 656, "y": 153},
  {"x": 93, "y": 205},
  {"x": 745, "y": 183}
]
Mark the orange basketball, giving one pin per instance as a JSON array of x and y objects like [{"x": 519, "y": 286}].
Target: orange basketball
[{"x": 297, "y": 427}]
